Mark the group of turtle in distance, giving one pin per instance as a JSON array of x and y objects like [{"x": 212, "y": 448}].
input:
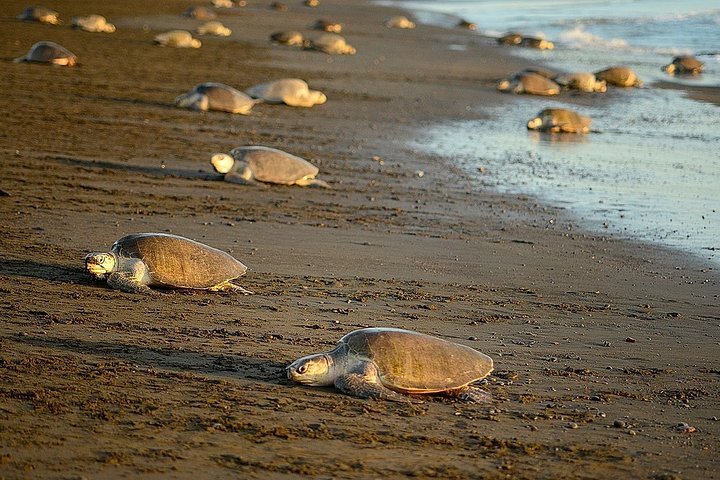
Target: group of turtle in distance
[
  {"x": 539, "y": 81},
  {"x": 371, "y": 362}
]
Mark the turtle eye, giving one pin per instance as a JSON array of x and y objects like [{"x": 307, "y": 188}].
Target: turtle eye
[{"x": 302, "y": 369}]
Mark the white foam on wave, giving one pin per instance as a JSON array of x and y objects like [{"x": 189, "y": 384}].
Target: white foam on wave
[{"x": 578, "y": 37}]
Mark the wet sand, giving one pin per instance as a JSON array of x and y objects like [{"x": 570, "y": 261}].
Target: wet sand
[{"x": 601, "y": 346}]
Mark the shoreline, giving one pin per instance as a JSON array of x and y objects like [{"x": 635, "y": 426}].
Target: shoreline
[{"x": 191, "y": 384}]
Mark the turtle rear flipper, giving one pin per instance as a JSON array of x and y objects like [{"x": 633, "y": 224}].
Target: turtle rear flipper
[
  {"x": 472, "y": 394},
  {"x": 230, "y": 287},
  {"x": 365, "y": 383}
]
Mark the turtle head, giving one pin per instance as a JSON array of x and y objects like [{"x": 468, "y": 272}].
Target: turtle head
[
  {"x": 193, "y": 100},
  {"x": 314, "y": 370},
  {"x": 504, "y": 85},
  {"x": 100, "y": 265},
  {"x": 109, "y": 28},
  {"x": 222, "y": 162},
  {"x": 534, "y": 123}
]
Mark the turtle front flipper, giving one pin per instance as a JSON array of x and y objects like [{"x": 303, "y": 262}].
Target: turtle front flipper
[
  {"x": 128, "y": 283},
  {"x": 237, "y": 178},
  {"x": 230, "y": 287},
  {"x": 364, "y": 382}
]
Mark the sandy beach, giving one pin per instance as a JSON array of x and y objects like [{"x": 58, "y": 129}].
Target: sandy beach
[{"x": 602, "y": 347}]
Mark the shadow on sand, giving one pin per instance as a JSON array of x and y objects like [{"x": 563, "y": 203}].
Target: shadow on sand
[{"x": 232, "y": 366}]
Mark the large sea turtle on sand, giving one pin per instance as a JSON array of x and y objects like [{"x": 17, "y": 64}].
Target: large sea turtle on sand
[
  {"x": 93, "y": 23},
  {"x": 216, "y": 96},
  {"x": 684, "y": 65},
  {"x": 139, "y": 261},
  {"x": 559, "y": 120},
  {"x": 387, "y": 362},
  {"x": 290, "y": 91},
  {"x": 619, "y": 76},
  {"x": 49, "y": 52},
  {"x": 529, "y": 83},
  {"x": 583, "y": 81},
  {"x": 40, "y": 14},
  {"x": 177, "y": 39},
  {"x": 330, "y": 43},
  {"x": 248, "y": 164}
]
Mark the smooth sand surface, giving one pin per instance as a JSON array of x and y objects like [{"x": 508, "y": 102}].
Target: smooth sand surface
[{"x": 602, "y": 347}]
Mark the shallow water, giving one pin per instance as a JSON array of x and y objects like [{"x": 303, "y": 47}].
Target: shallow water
[{"x": 650, "y": 170}]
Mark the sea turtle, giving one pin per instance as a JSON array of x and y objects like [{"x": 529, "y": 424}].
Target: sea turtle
[
  {"x": 49, "y": 52},
  {"x": 199, "y": 13},
  {"x": 40, "y": 14},
  {"x": 213, "y": 27},
  {"x": 386, "y": 362},
  {"x": 311, "y": 3},
  {"x": 139, "y": 261},
  {"x": 278, "y": 7},
  {"x": 619, "y": 76},
  {"x": 583, "y": 81},
  {"x": 512, "y": 38},
  {"x": 543, "y": 72},
  {"x": 684, "y": 65},
  {"x": 216, "y": 96},
  {"x": 248, "y": 164},
  {"x": 93, "y": 23},
  {"x": 222, "y": 3},
  {"x": 539, "y": 43},
  {"x": 399, "y": 21},
  {"x": 327, "y": 26},
  {"x": 178, "y": 39},
  {"x": 462, "y": 23},
  {"x": 290, "y": 91},
  {"x": 559, "y": 120},
  {"x": 290, "y": 38},
  {"x": 529, "y": 83},
  {"x": 331, "y": 43}
]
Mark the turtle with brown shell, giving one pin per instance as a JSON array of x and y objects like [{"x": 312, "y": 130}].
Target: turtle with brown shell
[
  {"x": 139, "y": 261},
  {"x": 250, "y": 164},
  {"x": 386, "y": 363}
]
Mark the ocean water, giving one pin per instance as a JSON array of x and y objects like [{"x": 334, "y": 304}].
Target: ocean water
[{"x": 650, "y": 170}]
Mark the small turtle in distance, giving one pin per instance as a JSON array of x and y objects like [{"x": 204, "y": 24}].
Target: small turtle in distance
[
  {"x": 290, "y": 91},
  {"x": 93, "y": 23},
  {"x": 177, "y": 39},
  {"x": 250, "y": 164},
  {"x": 291, "y": 38},
  {"x": 49, "y": 52},
  {"x": 530, "y": 84},
  {"x": 560, "y": 120},
  {"x": 619, "y": 76},
  {"x": 330, "y": 43},
  {"x": 213, "y": 27},
  {"x": 684, "y": 65},
  {"x": 139, "y": 261},
  {"x": 40, "y": 14},
  {"x": 386, "y": 363},
  {"x": 212, "y": 96},
  {"x": 583, "y": 81}
]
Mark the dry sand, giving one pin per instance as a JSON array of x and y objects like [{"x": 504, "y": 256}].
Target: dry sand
[{"x": 601, "y": 346}]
